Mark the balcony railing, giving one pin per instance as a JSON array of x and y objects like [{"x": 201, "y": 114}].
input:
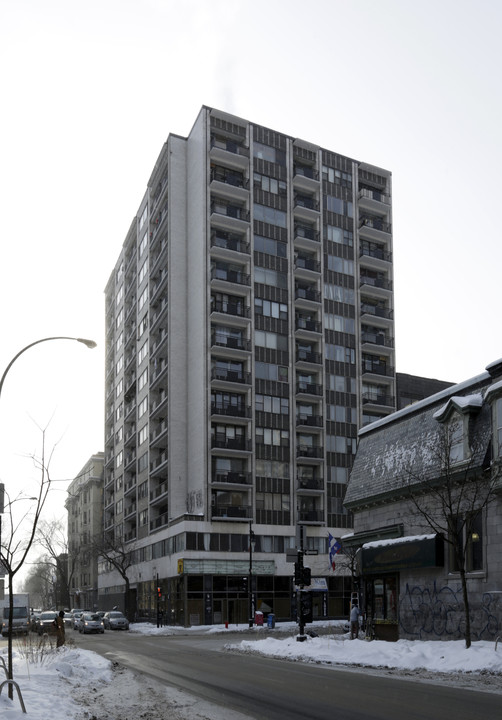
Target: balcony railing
[
  {"x": 306, "y": 171},
  {"x": 159, "y": 521},
  {"x": 233, "y": 343},
  {"x": 229, "y": 145},
  {"x": 310, "y": 483},
  {"x": 233, "y": 211},
  {"x": 232, "y": 511},
  {"x": 221, "y": 441},
  {"x": 306, "y": 202},
  {"x": 310, "y": 325},
  {"x": 233, "y": 242},
  {"x": 241, "y": 411},
  {"x": 374, "y": 399},
  {"x": 378, "y": 369},
  {"x": 158, "y": 491},
  {"x": 303, "y": 263},
  {"x": 237, "y": 309},
  {"x": 309, "y": 233},
  {"x": 235, "y": 376},
  {"x": 310, "y": 516},
  {"x": 374, "y": 195},
  {"x": 307, "y": 294},
  {"x": 310, "y": 451},
  {"x": 309, "y": 356},
  {"x": 375, "y": 223},
  {"x": 237, "y": 478},
  {"x": 377, "y": 339},
  {"x": 382, "y": 283},
  {"x": 230, "y": 275},
  {"x": 376, "y": 252},
  {"x": 308, "y": 388},
  {"x": 309, "y": 420},
  {"x": 229, "y": 177},
  {"x": 376, "y": 310}
]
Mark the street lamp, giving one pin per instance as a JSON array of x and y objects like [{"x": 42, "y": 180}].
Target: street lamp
[
  {"x": 88, "y": 343},
  {"x": 252, "y": 542}
]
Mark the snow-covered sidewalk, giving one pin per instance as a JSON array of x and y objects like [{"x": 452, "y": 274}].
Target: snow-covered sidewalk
[{"x": 70, "y": 683}]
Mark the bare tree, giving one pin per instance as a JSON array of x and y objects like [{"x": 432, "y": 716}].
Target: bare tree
[
  {"x": 52, "y": 537},
  {"x": 451, "y": 500},
  {"x": 120, "y": 555},
  {"x": 17, "y": 542}
]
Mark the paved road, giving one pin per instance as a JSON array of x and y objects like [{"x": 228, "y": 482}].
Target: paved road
[{"x": 268, "y": 689}]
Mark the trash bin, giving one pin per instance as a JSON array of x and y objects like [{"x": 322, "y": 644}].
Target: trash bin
[
  {"x": 258, "y": 618},
  {"x": 271, "y": 620}
]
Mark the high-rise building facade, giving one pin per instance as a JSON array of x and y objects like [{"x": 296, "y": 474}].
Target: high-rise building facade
[{"x": 250, "y": 333}]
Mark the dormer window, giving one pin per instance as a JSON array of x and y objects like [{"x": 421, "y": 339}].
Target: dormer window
[
  {"x": 455, "y": 417},
  {"x": 494, "y": 396}
]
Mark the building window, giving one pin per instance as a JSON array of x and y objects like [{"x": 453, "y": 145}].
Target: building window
[
  {"x": 455, "y": 436},
  {"x": 267, "y": 371},
  {"x": 271, "y": 309},
  {"x": 143, "y": 434},
  {"x": 267, "y": 436},
  {"x": 270, "y": 215},
  {"x": 272, "y": 404},
  {"x": 270, "y": 277},
  {"x": 143, "y": 517},
  {"x": 469, "y": 537}
]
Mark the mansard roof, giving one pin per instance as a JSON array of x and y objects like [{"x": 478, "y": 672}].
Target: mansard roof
[{"x": 399, "y": 449}]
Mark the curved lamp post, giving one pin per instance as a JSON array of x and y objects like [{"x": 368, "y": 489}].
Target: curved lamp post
[{"x": 88, "y": 343}]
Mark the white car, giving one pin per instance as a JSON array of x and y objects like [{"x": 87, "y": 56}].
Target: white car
[
  {"x": 91, "y": 623},
  {"x": 115, "y": 620}
]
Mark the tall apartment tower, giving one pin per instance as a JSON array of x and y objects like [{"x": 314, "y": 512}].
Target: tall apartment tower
[{"x": 249, "y": 334}]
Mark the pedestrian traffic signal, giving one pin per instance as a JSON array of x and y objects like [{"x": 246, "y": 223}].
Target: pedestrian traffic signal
[
  {"x": 306, "y": 606},
  {"x": 307, "y": 576},
  {"x": 303, "y": 575}
]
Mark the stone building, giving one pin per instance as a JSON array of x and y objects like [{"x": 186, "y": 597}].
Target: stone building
[{"x": 410, "y": 576}]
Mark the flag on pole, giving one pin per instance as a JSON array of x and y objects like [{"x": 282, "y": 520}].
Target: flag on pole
[{"x": 334, "y": 549}]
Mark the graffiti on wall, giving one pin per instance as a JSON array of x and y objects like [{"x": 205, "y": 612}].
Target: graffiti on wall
[{"x": 431, "y": 612}]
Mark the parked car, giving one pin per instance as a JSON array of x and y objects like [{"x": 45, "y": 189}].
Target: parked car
[
  {"x": 115, "y": 620},
  {"x": 45, "y": 623},
  {"x": 91, "y": 622},
  {"x": 76, "y": 619}
]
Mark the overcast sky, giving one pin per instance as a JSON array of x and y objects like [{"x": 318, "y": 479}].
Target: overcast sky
[{"x": 90, "y": 92}]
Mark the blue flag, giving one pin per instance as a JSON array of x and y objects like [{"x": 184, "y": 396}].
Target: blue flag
[{"x": 334, "y": 549}]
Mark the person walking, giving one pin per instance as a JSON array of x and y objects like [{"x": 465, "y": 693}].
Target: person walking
[
  {"x": 354, "y": 620},
  {"x": 60, "y": 631}
]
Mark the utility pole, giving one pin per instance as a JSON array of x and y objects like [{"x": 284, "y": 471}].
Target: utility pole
[{"x": 302, "y": 578}]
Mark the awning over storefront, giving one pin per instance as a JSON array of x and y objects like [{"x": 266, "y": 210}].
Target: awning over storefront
[{"x": 404, "y": 553}]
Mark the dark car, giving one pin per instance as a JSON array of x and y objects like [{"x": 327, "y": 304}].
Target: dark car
[{"x": 45, "y": 623}]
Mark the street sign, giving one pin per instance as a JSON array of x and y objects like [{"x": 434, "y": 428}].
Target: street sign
[{"x": 311, "y": 552}]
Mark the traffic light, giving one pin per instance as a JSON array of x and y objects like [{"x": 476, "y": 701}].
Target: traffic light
[
  {"x": 303, "y": 575},
  {"x": 159, "y": 592},
  {"x": 307, "y": 576},
  {"x": 306, "y": 606}
]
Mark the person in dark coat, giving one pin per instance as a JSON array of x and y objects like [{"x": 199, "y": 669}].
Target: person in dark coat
[{"x": 60, "y": 631}]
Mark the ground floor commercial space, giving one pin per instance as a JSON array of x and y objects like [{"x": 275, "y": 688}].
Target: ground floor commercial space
[{"x": 210, "y": 599}]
